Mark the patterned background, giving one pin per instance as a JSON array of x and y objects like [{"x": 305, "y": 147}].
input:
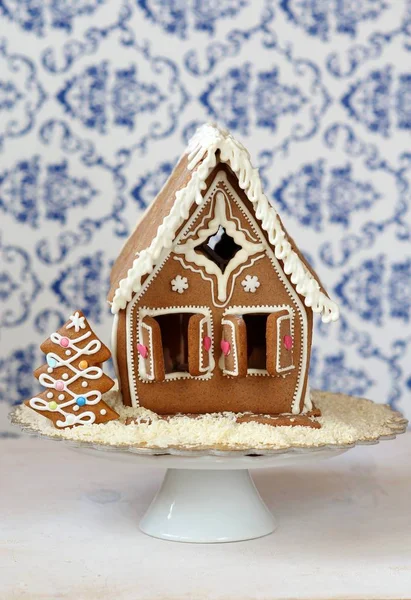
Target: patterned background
[{"x": 97, "y": 100}]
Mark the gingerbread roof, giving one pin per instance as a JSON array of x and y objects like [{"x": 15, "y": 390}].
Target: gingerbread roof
[{"x": 143, "y": 252}]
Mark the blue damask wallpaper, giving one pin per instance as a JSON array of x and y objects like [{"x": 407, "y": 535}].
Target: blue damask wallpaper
[{"x": 97, "y": 100}]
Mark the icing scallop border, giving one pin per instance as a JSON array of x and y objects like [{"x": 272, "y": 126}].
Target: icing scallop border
[{"x": 202, "y": 149}]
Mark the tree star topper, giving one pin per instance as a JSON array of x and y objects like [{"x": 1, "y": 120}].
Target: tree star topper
[{"x": 77, "y": 322}]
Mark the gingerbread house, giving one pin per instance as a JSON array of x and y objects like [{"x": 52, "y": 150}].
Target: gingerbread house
[{"x": 213, "y": 303}]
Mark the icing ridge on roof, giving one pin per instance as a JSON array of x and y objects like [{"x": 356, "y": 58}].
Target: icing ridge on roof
[{"x": 201, "y": 150}]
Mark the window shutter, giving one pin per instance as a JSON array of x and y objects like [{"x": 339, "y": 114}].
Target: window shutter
[
  {"x": 199, "y": 345},
  {"x": 234, "y": 354},
  {"x": 279, "y": 340},
  {"x": 151, "y": 352}
]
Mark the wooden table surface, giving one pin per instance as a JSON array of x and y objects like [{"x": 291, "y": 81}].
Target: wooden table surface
[{"x": 69, "y": 530}]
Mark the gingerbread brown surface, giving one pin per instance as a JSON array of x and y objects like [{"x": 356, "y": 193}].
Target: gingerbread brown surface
[
  {"x": 73, "y": 377},
  {"x": 216, "y": 324}
]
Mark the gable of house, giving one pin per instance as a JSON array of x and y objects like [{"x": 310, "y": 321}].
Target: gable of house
[
  {"x": 184, "y": 190},
  {"x": 187, "y": 306}
]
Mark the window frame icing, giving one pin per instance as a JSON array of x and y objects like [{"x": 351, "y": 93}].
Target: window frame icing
[
  {"x": 266, "y": 309},
  {"x": 207, "y": 372}
]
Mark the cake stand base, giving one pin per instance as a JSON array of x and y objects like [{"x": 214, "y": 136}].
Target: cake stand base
[{"x": 207, "y": 506}]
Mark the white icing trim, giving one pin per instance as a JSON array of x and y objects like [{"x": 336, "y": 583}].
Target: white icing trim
[
  {"x": 210, "y": 279},
  {"x": 266, "y": 308},
  {"x": 152, "y": 312},
  {"x": 114, "y": 333},
  {"x": 257, "y": 372},
  {"x": 220, "y": 177},
  {"x": 202, "y": 351},
  {"x": 308, "y": 403},
  {"x": 278, "y": 367},
  {"x": 142, "y": 362},
  {"x": 248, "y": 248},
  {"x": 233, "y": 350},
  {"x": 201, "y": 151}
]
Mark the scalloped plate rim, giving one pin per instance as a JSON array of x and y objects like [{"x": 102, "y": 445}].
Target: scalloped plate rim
[{"x": 215, "y": 452}]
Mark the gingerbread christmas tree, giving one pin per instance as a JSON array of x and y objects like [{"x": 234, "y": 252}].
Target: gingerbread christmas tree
[{"x": 73, "y": 377}]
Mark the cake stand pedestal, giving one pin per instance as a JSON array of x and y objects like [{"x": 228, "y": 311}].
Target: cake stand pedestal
[
  {"x": 208, "y": 499},
  {"x": 207, "y": 506}
]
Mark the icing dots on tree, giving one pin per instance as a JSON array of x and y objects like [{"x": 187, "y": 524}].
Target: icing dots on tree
[
  {"x": 179, "y": 284},
  {"x": 250, "y": 283},
  {"x": 78, "y": 377}
]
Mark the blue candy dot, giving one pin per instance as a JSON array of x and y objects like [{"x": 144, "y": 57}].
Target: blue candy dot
[
  {"x": 81, "y": 401},
  {"x": 51, "y": 361}
]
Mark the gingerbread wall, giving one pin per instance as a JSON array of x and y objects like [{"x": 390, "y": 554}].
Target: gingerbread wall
[{"x": 257, "y": 282}]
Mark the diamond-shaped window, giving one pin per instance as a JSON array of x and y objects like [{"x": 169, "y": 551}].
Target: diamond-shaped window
[{"x": 220, "y": 248}]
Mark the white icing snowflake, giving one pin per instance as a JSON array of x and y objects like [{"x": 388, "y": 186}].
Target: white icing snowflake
[
  {"x": 250, "y": 283},
  {"x": 179, "y": 284},
  {"x": 77, "y": 322}
]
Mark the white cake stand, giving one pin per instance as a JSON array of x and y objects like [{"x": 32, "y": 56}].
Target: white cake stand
[
  {"x": 208, "y": 495},
  {"x": 210, "y": 499}
]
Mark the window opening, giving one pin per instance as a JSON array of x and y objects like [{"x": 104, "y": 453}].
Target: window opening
[
  {"x": 256, "y": 325},
  {"x": 219, "y": 248},
  {"x": 174, "y": 336}
]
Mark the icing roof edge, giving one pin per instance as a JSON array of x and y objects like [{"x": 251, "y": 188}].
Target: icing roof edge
[{"x": 201, "y": 151}]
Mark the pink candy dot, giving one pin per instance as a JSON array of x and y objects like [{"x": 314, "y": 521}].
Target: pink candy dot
[
  {"x": 64, "y": 342},
  {"x": 59, "y": 385}
]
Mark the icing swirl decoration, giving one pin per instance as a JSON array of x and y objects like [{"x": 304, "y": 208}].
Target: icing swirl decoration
[{"x": 48, "y": 381}]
